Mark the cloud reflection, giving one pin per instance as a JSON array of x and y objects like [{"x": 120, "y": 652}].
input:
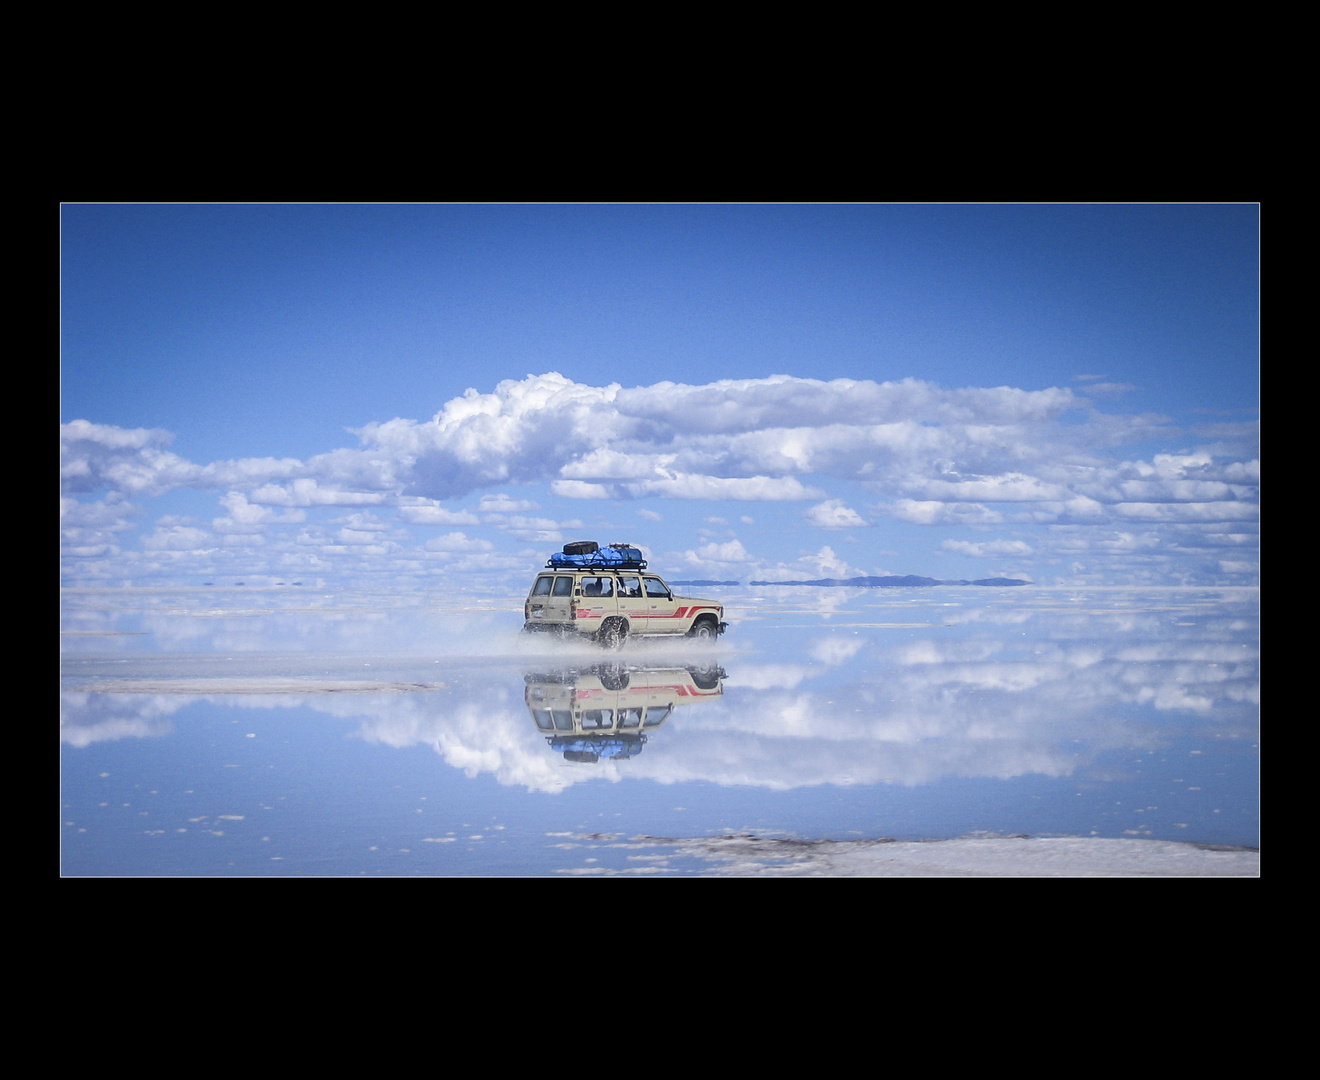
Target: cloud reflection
[{"x": 1044, "y": 691}]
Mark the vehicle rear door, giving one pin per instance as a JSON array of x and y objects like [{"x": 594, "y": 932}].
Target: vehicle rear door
[
  {"x": 595, "y": 601},
  {"x": 558, "y": 606}
]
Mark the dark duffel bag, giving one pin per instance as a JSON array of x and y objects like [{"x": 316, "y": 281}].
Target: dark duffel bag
[{"x": 581, "y": 547}]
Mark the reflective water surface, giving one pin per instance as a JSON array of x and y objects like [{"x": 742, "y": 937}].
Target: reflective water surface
[{"x": 292, "y": 732}]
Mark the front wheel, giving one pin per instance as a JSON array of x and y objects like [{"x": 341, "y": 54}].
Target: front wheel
[{"x": 705, "y": 632}]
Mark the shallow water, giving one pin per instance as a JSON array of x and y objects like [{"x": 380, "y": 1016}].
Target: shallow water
[{"x": 291, "y": 732}]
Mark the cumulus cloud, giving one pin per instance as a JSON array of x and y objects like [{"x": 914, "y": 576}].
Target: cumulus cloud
[
  {"x": 434, "y": 514},
  {"x": 247, "y": 517},
  {"x": 737, "y": 488},
  {"x": 580, "y": 489},
  {"x": 1011, "y": 487},
  {"x": 96, "y": 457},
  {"x": 309, "y": 491},
  {"x": 1183, "y": 511},
  {"x": 720, "y": 554},
  {"x": 809, "y": 565},
  {"x": 176, "y": 537},
  {"x": 457, "y": 542},
  {"x": 88, "y": 529},
  {"x": 745, "y": 440},
  {"x": 942, "y": 455},
  {"x": 934, "y": 512},
  {"x": 832, "y": 514},
  {"x": 926, "y": 455}
]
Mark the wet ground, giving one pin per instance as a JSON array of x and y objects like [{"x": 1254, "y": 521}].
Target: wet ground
[{"x": 949, "y": 731}]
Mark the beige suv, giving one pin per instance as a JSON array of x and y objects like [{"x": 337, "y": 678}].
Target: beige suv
[{"x": 609, "y": 606}]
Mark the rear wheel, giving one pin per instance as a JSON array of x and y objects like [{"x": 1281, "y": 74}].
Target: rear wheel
[
  {"x": 613, "y": 634},
  {"x": 614, "y": 676}
]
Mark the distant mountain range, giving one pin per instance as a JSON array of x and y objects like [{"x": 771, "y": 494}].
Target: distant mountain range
[
  {"x": 705, "y": 583},
  {"x": 903, "y": 581}
]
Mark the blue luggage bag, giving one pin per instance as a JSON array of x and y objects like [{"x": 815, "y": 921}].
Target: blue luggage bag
[{"x": 614, "y": 557}]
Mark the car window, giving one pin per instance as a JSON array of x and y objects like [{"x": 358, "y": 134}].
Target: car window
[
  {"x": 597, "y": 586},
  {"x": 630, "y": 586},
  {"x": 597, "y": 719},
  {"x": 656, "y": 587},
  {"x": 563, "y": 586},
  {"x": 542, "y": 586},
  {"x": 655, "y": 716}
]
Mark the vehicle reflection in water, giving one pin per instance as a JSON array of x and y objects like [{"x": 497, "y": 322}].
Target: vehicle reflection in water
[{"x": 608, "y": 711}]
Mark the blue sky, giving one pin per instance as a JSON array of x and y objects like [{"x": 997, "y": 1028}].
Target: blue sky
[{"x": 411, "y": 395}]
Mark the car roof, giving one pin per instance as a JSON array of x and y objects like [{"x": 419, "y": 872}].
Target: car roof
[{"x": 594, "y": 571}]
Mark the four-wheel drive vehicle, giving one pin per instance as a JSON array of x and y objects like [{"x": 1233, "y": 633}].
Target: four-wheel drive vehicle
[{"x": 611, "y": 605}]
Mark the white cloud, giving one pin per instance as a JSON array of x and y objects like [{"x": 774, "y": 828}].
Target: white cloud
[
  {"x": 357, "y": 536},
  {"x": 730, "y": 552},
  {"x": 827, "y": 564},
  {"x": 610, "y": 464},
  {"x": 943, "y": 454},
  {"x": 833, "y": 514},
  {"x": 246, "y": 517},
  {"x": 536, "y": 530},
  {"x": 934, "y": 512},
  {"x": 1011, "y": 487},
  {"x": 731, "y": 559},
  {"x": 504, "y": 504},
  {"x": 926, "y": 455},
  {"x": 457, "y": 542},
  {"x": 365, "y": 522},
  {"x": 987, "y": 549},
  {"x": 88, "y": 530},
  {"x": 745, "y": 440},
  {"x": 580, "y": 489},
  {"x": 178, "y": 538},
  {"x": 98, "y": 456},
  {"x": 308, "y": 491},
  {"x": 1180, "y": 511},
  {"x": 742, "y": 489},
  {"x": 434, "y": 514}
]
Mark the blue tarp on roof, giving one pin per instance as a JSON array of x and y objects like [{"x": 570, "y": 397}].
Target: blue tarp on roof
[{"x": 614, "y": 557}]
